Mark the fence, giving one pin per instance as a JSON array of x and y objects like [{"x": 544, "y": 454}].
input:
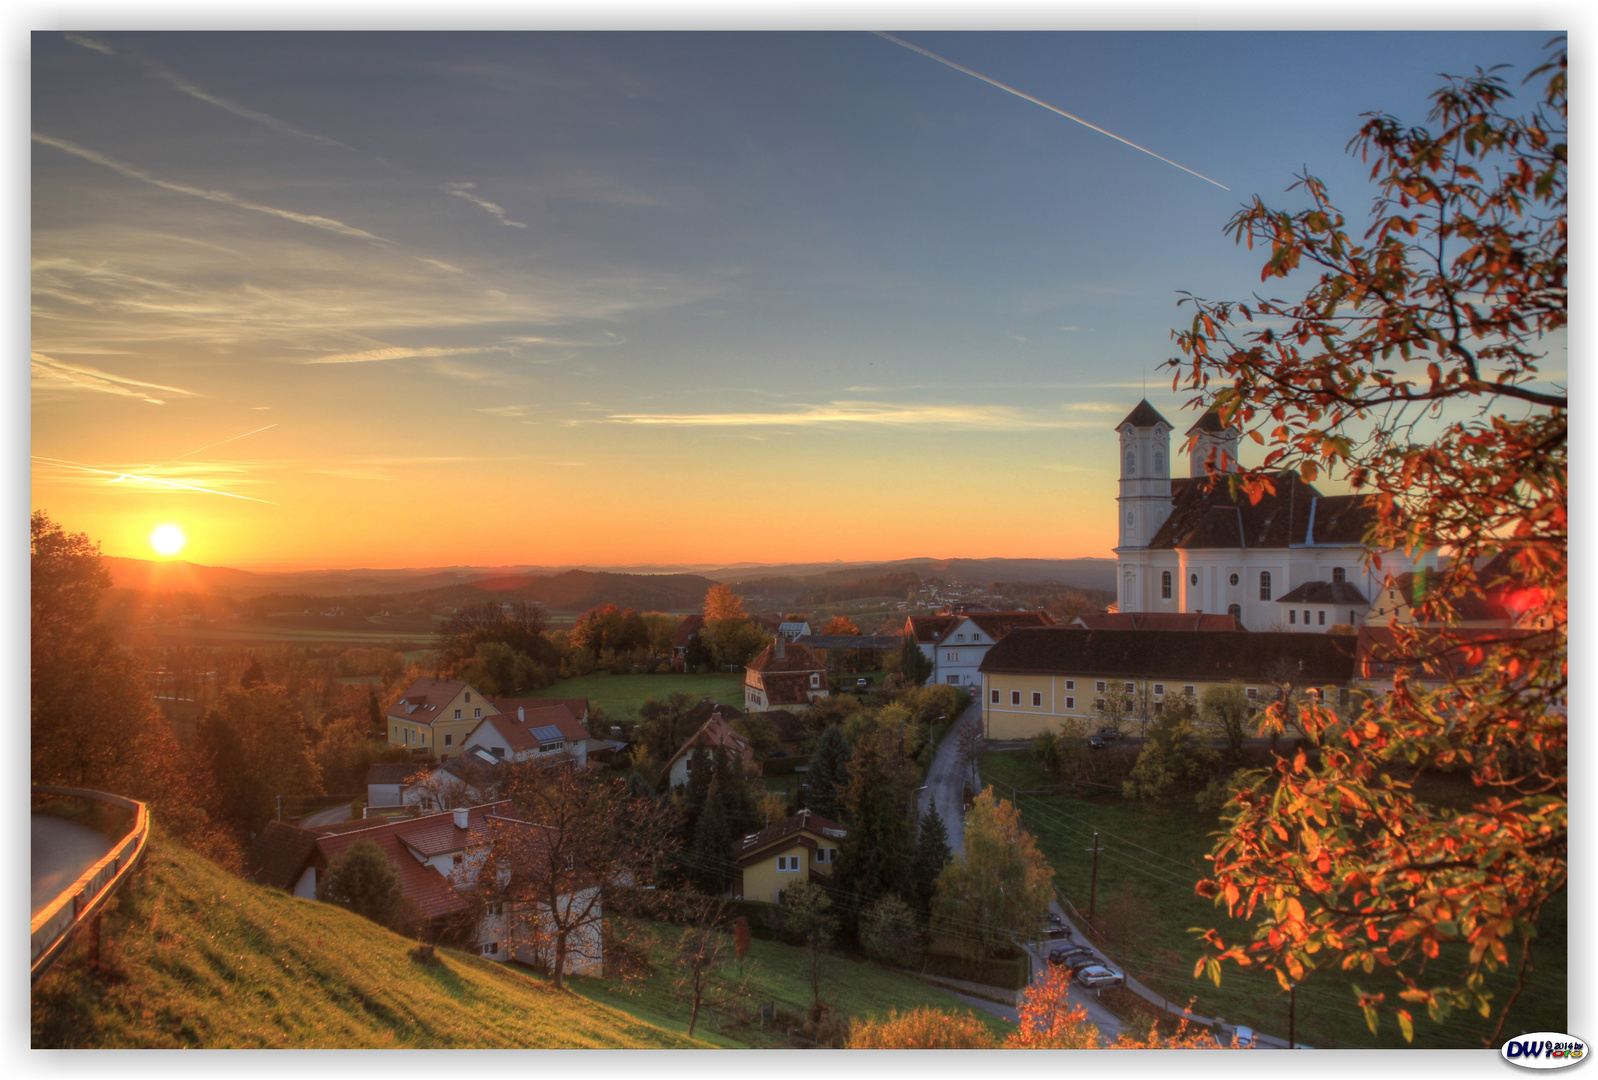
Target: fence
[{"x": 83, "y": 901}]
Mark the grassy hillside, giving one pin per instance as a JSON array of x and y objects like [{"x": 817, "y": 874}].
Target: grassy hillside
[{"x": 200, "y": 958}]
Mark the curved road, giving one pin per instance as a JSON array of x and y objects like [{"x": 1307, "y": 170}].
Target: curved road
[
  {"x": 61, "y": 852},
  {"x": 946, "y": 786}
]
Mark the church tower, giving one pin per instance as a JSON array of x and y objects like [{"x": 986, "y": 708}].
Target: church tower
[
  {"x": 1213, "y": 437},
  {"x": 1145, "y": 498}
]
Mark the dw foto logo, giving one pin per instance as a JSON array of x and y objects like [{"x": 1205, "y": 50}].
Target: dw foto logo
[{"x": 1544, "y": 1050}]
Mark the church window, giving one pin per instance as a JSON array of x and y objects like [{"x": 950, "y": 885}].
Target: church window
[
  {"x": 1165, "y": 585},
  {"x": 1337, "y": 575},
  {"x": 1234, "y": 579},
  {"x": 1192, "y": 579},
  {"x": 1235, "y": 611},
  {"x": 1131, "y": 463},
  {"x": 1129, "y": 520},
  {"x": 1159, "y": 463},
  {"x": 1265, "y": 584}
]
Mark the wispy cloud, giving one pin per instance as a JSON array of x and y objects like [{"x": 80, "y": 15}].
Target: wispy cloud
[
  {"x": 402, "y": 352},
  {"x": 505, "y": 410},
  {"x": 133, "y": 173},
  {"x": 448, "y": 267},
  {"x": 1097, "y": 406},
  {"x": 464, "y": 191},
  {"x": 53, "y": 373},
  {"x": 968, "y": 417},
  {"x": 90, "y": 43}
]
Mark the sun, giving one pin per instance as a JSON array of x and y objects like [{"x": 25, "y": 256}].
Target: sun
[{"x": 168, "y": 539}]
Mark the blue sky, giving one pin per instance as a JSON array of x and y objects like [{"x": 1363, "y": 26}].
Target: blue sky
[{"x": 623, "y": 297}]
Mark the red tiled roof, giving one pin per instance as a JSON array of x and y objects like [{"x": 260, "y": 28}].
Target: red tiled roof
[
  {"x": 804, "y": 820},
  {"x": 542, "y": 712},
  {"x": 796, "y": 657},
  {"x": 1428, "y": 653},
  {"x": 999, "y": 623},
  {"x": 279, "y": 855},
  {"x": 1173, "y": 654},
  {"x": 711, "y": 734},
  {"x": 691, "y": 624},
  {"x": 426, "y": 697},
  {"x": 789, "y": 687},
  {"x": 928, "y": 629},
  {"x": 577, "y": 706},
  {"x": 1159, "y": 620},
  {"x": 436, "y": 834}
]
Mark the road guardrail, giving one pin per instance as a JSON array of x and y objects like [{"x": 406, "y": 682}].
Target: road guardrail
[{"x": 83, "y": 901}]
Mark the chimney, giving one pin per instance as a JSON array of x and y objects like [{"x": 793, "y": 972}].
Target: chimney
[
  {"x": 782, "y": 652},
  {"x": 462, "y": 818},
  {"x": 521, "y": 713}
]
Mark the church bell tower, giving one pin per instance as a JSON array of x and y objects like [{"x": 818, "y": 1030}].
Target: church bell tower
[{"x": 1145, "y": 499}]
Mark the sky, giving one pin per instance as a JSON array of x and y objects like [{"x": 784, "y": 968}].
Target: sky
[{"x": 423, "y": 299}]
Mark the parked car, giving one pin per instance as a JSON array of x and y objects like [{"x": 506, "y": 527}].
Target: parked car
[
  {"x": 1109, "y": 733},
  {"x": 862, "y": 683},
  {"x": 1239, "y": 1037},
  {"x": 1097, "y": 977},
  {"x": 1069, "y": 954}
]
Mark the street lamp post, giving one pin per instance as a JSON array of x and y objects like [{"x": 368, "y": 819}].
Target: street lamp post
[{"x": 1292, "y": 1010}]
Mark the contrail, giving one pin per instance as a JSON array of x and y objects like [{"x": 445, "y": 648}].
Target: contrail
[
  {"x": 1045, "y": 104},
  {"x": 119, "y": 476},
  {"x": 234, "y": 438}
]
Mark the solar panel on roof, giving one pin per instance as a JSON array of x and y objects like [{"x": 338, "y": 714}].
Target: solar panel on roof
[{"x": 547, "y": 733}]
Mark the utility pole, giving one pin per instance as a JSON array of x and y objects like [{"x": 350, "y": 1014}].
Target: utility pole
[
  {"x": 1093, "y": 887},
  {"x": 1292, "y": 1010}
]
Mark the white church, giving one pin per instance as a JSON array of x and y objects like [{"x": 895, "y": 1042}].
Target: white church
[{"x": 1293, "y": 561}]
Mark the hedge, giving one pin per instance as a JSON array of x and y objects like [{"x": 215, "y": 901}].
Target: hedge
[{"x": 1008, "y": 972}]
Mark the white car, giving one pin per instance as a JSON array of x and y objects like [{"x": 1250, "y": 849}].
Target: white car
[{"x": 1097, "y": 977}]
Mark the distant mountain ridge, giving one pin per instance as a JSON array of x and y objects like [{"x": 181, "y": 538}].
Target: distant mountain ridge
[{"x": 564, "y": 586}]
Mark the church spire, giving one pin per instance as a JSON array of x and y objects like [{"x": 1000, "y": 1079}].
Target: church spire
[{"x": 1144, "y": 416}]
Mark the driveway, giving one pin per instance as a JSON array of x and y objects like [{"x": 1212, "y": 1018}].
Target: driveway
[
  {"x": 331, "y": 816},
  {"x": 61, "y": 852}
]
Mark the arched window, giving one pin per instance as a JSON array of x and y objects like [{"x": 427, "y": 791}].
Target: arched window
[
  {"x": 1192, "y": 579},
  {"x": 1235, "y": 611},
  {"x": 1159, "y": 463},
  {"x": 1337, "y": 575},
  {"x": 1265, "y": 584},
  {"x": 1129, "y": 520},
  {"x": 1131, "y": 463},
  {"x": 1165, "y": 585}
]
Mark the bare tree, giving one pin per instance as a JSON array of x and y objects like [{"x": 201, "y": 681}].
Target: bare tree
[
  {"x": 567, "y": 838},
  {"x": 702, "y": 953}
]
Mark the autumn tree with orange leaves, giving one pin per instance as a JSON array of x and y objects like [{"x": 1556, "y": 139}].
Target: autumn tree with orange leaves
[{"x": 1412, "y": 368}]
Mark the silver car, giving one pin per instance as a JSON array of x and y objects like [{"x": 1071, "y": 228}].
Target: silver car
[{"x": 1097, "y": 977}]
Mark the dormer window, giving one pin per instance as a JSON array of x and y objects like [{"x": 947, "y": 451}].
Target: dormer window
[{"x": 815, "y": 682}]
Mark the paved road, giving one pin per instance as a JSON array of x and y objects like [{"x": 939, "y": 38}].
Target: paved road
[
  {"x": 946, "y": 783},
  {"x": 331, "y": 816},
  {"x": 62, "y": 851}
]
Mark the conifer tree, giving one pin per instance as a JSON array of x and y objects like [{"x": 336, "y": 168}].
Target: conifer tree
[
  {"x": 932, "y": 854},
  {"x": 875, "y": 858},
  {"x": 829, "y": 774},
  {"x": 711, "y": 853}
]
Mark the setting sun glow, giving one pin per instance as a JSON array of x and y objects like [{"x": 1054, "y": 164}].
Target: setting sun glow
[{"x": 168, "y": 539}]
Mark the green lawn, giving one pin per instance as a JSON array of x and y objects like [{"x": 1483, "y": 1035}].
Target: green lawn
[
  {"x": 621, "y": 695},
  {"x": 1152, "y": 854},
  {"x": 777, "y": 973}
]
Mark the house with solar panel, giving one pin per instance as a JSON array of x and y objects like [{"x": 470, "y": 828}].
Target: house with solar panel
[{"x": 532, "y": 729}]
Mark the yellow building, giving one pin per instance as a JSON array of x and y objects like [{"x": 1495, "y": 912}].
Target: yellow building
[
  {"x": 1041, "y": 680},
  {"x": 786, "y": 854},
  {"x": 434, "y": 717}
]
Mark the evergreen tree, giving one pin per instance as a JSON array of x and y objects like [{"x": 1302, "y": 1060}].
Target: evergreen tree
[
  {"x": 931, "y": 855},
  {"x": 875, "y": 858},
  {"x": 710, "y": 861},
  {"x": 701, "y": 771},
  {"x": 736, "y": 802},
  {"x": 362, "y": 880},
  {"x": 829, "y": 774}
]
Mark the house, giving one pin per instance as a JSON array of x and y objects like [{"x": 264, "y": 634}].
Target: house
[
  {"x": 470, "y": 778},
  {"x": 1188, "y": 546},
  {"x": 784, "y": 676},
  {"x": 436, "y": 860},
  {"x": 1157, "y": 620},
  {"x": 1497, "y": 599},
  {"x": 434, "y": 717},
  {"x": 1316, "y": 606},
  {"x": 531, "y": 728},
  {"x": 793, "y": 631},
  {"x": 788, "y": 853},
  {"x": 385, "y": 782},
  {"x": 714, "y": 732},
  {"x": 853, "y": 646},
  {"x": 1041, "y": 680},
  {"x": 686, "y": 631},
  {"x": 956, "y": 642}
]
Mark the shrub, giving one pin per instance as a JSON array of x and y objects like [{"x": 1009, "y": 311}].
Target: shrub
[{"x": 889, "y": 934}]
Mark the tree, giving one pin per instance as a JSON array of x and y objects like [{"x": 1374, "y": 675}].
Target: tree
[
  {"x": 932, "y": 854},
  {"x": 922, "y": 1029},
  {"x": 889, "y": 934},
  {"x": 734, "y": 642},
  {"x": 520, "y": 625},
  {"x": 910, "y": 662},
  {"x": 722, "y": 603},
  {"x": 571, "y": 837},
  {"x": 1227, "y": 707},
  {"x": 1411, "y": 368},
  {"x": 662, "y": 724},
  {"x": 1048, "y": 1018},
  {"x": 829, "y": 774},
  {"x": 1175, "y": 755},
  {"x": 1000, "y": 885},
  {"x": 874, "y": 859},
  {"x": 498, "y": 670},
  {"x": 809, "y": 918},
  {"x": 840, "y": 626},
  {"x": 701, "y": 954},
  {"x": 362, "y": 880},
  {"x": 711, "y": 854},
  {"x": 257, "y": 748}
]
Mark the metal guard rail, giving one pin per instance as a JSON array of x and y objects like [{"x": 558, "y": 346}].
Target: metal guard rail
[{"x": 54, "y": 926}]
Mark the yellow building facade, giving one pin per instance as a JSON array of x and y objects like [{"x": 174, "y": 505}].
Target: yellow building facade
[
  {"x": 435, "y": 716},
  {"x": 787, "y": 854}
]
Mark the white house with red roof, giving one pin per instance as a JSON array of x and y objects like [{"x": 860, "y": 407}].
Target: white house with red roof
[
  {"x": 786, "y": 675},
  {"x": 956, "y": 643},
  {"x": 713, "y": 733},
  {"x": 531, "y": 728}
]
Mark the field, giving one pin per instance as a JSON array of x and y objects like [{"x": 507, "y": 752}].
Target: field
[
  {"x": 777, "y": 973},
  {"x": 200, "y": 958},
  {"x": 1152, "y": 854},
  {"x": 226, "y": 633},
  {"x": 622, "y": 695}
]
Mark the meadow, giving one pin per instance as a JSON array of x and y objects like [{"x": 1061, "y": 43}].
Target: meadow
[{"x": 621, "y": 696}]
